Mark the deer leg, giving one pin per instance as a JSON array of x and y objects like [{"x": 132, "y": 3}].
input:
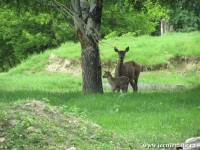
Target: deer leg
[
  {"x": 125, "y": 90},
  {"x": 133, "y": 85},
  {"x": 136, "y": 85}
]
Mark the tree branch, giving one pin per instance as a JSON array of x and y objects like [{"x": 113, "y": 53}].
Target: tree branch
[
  {"x": 81, "y": 16},
  {"x": 77, "y": 14}
]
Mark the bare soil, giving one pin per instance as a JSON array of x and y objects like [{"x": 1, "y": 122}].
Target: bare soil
[
  {"x": 179, "y": 62},
  {"x": 73, "y": 66},
  {"x": 58, "y": 64}
]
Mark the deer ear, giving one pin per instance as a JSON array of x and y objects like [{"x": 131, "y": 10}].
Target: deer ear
[
  {"x": 127, "y": 49},
  {"x": 116, "y": 50}
]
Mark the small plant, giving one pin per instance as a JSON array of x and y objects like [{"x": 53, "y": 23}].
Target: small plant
[
  {"x": 27, "y": 122},
  {"x": 78, "y": 112},
  {"x": 74, "y": 110},
  {"x": 114, "y": 108}
]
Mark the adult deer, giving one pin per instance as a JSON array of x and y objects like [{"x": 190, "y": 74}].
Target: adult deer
[{"x": 128, "y": 69}]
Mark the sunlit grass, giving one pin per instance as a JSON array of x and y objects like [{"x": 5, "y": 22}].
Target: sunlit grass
[
  {"x": 153, "y": 50},
  {"x": 143, "y": 49},
  {"x": 187, "y": 79},
  {"x": 41, "y": 82}
]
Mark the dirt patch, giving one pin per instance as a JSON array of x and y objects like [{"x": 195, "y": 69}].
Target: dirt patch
[
  {"x": 2, "y": 139},
  {"x": 58, "y": 64},
  {"x": 186, "y": 63},
  {"x": 181, "y": 62},
  {"x": 154, "y": 67},
  {"x": 109, "y": 64},
  {"x": 73, "y": 66}
]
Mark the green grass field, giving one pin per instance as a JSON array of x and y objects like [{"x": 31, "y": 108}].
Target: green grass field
[{"x": 146, "y": 117}]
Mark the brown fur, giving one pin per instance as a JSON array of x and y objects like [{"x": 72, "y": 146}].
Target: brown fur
[
  {"x": 120, "y": 83},
  {"x": 128, "y": 69}
]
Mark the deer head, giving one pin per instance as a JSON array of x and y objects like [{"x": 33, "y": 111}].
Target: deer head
[
  {"x": 107, "y": 74},
  {"x": 121, "y": 53}
]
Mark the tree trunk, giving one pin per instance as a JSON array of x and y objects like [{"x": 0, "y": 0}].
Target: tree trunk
[{"x": 87, "y": 22}]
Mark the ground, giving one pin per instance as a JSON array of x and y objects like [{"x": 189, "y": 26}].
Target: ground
[{"x": 37, "y": 125}]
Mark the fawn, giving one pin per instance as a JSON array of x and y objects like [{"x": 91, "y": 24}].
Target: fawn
[{"x": 119, "y": 83}]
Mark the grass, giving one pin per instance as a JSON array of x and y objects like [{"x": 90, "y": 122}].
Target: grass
[
  {"x": 146, "y": 117},
  {"x": 159, "y": 49},
  {"x": 144, "y": 50},
  {"x": 188, "y": 79},
  {"x": 44, "y": 82},
  {"x": 37, "y": 125},
  {"x": 154, "y": 50}
]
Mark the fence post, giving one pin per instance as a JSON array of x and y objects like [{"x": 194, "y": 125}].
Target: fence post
[{"x": 165, "y": 26}]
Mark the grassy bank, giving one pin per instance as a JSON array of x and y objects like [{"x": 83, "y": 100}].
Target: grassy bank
[{"x": 144, "y": 50}]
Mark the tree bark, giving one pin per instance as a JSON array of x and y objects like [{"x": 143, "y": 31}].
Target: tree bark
[{"x": 87, "y": 20}]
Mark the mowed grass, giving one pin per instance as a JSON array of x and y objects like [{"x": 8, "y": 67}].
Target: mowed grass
[
  {"x": 144, "y": 117},
  {"x": 188, "y": 79}
]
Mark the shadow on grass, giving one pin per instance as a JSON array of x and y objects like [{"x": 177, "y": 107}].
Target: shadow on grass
[
  {"x": 188, "y": 97},
  {"x": 53, "y": 97}
]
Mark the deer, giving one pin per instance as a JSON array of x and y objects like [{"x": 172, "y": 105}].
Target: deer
[
  {"x": 128, "y": 69},
  {"x": 119, "y": 83}
]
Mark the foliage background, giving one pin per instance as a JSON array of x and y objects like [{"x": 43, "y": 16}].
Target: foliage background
[{"x": 32, "y": 27}]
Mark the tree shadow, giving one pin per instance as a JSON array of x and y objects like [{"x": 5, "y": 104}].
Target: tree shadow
[{"x": 54, "y": 98}]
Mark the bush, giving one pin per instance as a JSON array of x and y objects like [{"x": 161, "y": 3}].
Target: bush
[
  {"x": 24, "y": 33},
  {"x": 128, "y": 20},
  {"x": 185, "y": 21}
]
